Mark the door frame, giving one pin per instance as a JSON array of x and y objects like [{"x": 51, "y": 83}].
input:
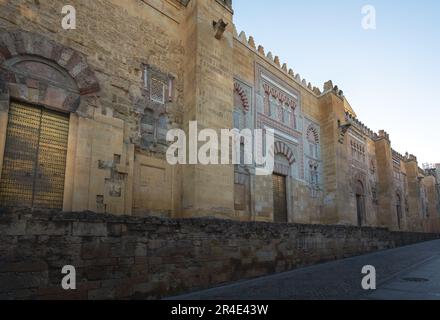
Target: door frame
[
  {"x": 286, "y": 192},
  {"x": 359, "y": 210},
  {"x": 71, "y": 148},
  {"x": 4, "y": 117}
]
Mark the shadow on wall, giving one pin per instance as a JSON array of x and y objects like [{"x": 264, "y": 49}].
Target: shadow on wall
[{"x": 119, "y": 257}]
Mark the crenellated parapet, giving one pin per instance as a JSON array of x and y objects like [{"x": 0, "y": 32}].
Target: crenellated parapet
[
  {"x": 397, "y": 155},
  {"x": 329, "y": 87},
  {"x": 360, "y": 126},
  {"x": 410, "y": 158},
  {"x": 431, "y": 172},
  {"x": 276, "y": 62},
  {"x": 226, "y": 3},
  {"x": 382, "y": 135},
  {"x": 397, "y": 158}
]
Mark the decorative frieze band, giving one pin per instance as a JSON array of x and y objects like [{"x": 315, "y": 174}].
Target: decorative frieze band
[{"x": 281, "y": 96}]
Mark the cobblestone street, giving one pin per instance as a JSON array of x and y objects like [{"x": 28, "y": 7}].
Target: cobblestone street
[{"x": 411, "y": 272}]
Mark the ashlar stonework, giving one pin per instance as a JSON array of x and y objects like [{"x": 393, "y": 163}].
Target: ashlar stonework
[{"x": 133, "y": 69}]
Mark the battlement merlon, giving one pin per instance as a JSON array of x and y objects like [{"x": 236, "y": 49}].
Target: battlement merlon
[{"x": 225, "y": 3}]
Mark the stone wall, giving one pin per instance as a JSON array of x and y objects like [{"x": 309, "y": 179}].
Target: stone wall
[
  {"x": 116, "y": 40},
  {"x": 120, "y": 257},
  {"x": 123, "y": 53}
]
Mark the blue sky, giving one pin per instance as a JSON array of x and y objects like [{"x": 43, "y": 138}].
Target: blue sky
[{"x": 390, "y": 76}]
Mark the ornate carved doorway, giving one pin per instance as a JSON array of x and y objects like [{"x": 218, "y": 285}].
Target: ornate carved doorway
[
  {"x": 279, "y": 198},
  {"x": 35, "y": 155}
]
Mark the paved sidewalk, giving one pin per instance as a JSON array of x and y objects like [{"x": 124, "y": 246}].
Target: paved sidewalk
[
  {"x": 421, "y": 283},
  {"x": 411, "y": 272}
]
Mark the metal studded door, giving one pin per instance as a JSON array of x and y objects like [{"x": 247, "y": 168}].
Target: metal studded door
[
  {"x": 279, "y": 198},
  {"x": 35, "y": 158}
]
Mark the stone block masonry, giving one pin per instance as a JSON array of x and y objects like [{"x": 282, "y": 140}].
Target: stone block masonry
[{"x": 121, "y": 257}]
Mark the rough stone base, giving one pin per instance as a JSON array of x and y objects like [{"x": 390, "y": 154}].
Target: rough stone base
[{"x": 147, "y": 258}]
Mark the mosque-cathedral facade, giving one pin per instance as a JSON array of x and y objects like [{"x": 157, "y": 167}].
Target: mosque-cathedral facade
[{"x": 84, "y": 116}]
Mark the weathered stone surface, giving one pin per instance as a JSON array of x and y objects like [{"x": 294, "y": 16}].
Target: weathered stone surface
[
  {"x": 172, "y": 257},
  {"x": 103, "y": 74},
  {"x": 116, "y": 162}
]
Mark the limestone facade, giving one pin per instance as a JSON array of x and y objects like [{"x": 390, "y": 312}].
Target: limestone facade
[{"x": 132, "y": 70}]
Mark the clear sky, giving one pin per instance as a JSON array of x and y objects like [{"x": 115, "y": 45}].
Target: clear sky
[{"x": 390, "y": 76}]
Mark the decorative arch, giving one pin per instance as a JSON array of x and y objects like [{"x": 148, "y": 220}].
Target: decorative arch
[
  {"x": 312, "y": 134},
  {"x": 41, "y": 71},
  {"x": 359, "y": 178},
  {"x": 399, "y": 195},
  {"x": 284, "y": 149},
  {"x": 242, "y": 94},
  {"x": 359, "y": 188}
]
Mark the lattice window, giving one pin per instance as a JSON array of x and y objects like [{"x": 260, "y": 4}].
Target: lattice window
[
  {"x": 162, "y": 129},
  {"x": 286, "y": 119},
  {"x": 236, "y": 116},
  {"x": 314, "y": 175},
  {"x": 358, "y": 151},
  {"x": 157, "y": 91},
  {"x": 288, "y": 116},
  {"x": 313, "y": 141},
  {"x": 280, "y": 112},
  {"x": 273, "y": 107},
  {"x": 293, "y": 119}
]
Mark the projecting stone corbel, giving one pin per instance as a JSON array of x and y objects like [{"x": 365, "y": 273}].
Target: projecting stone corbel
[
  {"x": 220, "y": 28},
  {"x": 343, "y": 128}
]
